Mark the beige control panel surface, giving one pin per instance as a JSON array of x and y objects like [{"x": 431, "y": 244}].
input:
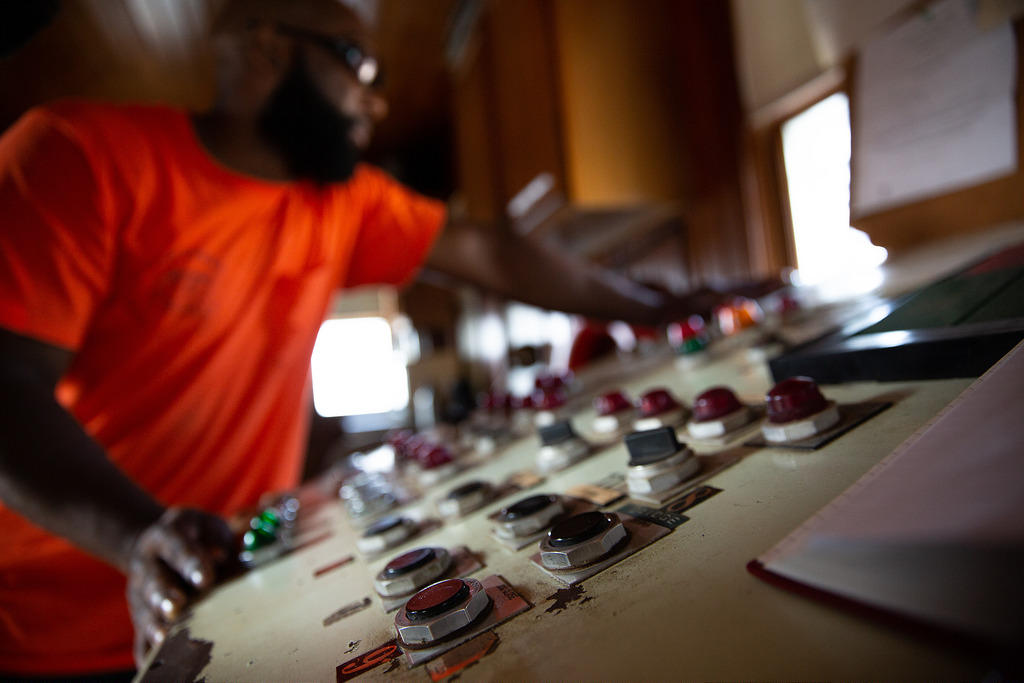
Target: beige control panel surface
[{"x": 682, "y": 607}]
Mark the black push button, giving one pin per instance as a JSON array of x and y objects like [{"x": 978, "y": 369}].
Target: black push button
[
  {"x": 652, "y": 445},
  {"x": 560, "y": 432},
  {"x": 578, "y": 528},
  {"x": 382, "y": 526},
  {"x": 466, "y": 490},
  {"x": 526, "y": 507},
  {"x": 407, "y": 562}
]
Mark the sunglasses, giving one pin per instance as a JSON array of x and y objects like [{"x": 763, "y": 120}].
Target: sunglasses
[{"x": 364, "y": 67}]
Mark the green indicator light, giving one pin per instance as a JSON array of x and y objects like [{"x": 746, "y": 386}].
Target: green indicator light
[
  {"x": 257, "y": 538},
  {"x": 692, "y": 345},
  {"x": 270, "y": 517}
]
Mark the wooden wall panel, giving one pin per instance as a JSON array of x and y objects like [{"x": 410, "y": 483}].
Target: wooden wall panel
[
  {"x": 476, "y": 159},
  {"x": 527, "y": 121},
  {"x": 712, "y": 116},
  {"x": 621, "y": 101}
]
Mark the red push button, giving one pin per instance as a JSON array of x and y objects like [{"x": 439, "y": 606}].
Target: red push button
[
  {"x": 691, "y": 328},
  {"x": 549, "y": 399},
  {"x": 657, "y": 402},
  {"x": 715, "y": 403},
  {"x": 434, "y": 457},
  {"x": 611, "y": 403},
  {"x": 794, "y": 399},
  {"x": 437, "y": 599}
]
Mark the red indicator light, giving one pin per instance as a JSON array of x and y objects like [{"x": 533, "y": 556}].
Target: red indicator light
[
  {"x": 522, "y": 402},
  {"x": 437, "y": 598},
  {"x": 549, "y": 399},
  {"x": 549, "y": 382},
  {"x": 715, "y": 403},
  {"x": 434, "y": 457},
  {"x": 656, "y": 402},
  {"x": 691, "y": 328},
  {"x": 611, "y": 403},
  {"x": 794, "y": 399},
  {"x": 406, "y": 562}
]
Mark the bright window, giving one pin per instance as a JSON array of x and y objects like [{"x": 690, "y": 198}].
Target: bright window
[
  {"x": 816, "y": 149},
  {"x": 356, "y": 370}
]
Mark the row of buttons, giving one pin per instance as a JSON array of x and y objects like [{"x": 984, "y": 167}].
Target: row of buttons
[{"x": 795, "y": 409}]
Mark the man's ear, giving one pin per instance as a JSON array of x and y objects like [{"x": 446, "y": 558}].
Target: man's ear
[{"x": 267, "y": 53}]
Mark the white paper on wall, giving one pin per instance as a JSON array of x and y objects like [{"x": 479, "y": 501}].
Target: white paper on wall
[{"x": 934, "y": 110}]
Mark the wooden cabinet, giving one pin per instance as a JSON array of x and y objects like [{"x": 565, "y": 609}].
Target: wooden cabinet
[{"x": 631, "y": 107}]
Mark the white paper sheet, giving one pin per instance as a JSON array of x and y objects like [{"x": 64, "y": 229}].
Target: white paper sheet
[{"x": 935, "y": 109}]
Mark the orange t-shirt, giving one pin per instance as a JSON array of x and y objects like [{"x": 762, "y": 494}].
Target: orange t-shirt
[{"x": 192, "y": 296}]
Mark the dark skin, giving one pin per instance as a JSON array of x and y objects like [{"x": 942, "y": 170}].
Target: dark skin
[{"x": 172, "y": 555}]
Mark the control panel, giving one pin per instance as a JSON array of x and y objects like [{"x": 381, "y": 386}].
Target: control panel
[{"x": 601, "y": 534}]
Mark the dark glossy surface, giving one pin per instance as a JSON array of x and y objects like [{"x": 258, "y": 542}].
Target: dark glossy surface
[
  {"x": 437, "y": 599},
  {"x": 383, "y": 525},
  {"x": 579, "y": 528},
  {"x": 526, "y": 507},
  {"x": 466, "y": 489},
  {"x": 407, "y": 562}
]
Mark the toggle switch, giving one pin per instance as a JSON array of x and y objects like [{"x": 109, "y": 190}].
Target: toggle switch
[
  {"x": 560, "y": 447},
  {"x": 657, "y": 461}
]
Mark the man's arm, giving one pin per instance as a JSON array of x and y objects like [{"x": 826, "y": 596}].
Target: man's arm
[
  {"x": 497, "y": 259},
  {"x": 54, "y": 474}
]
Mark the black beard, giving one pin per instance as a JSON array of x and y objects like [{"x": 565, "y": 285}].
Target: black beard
[{"x": 311, "y": 135}]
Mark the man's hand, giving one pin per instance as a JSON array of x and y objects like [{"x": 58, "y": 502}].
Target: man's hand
[
  {"x": 174, "y": 561},
  {"x": 699, "y": 301}
]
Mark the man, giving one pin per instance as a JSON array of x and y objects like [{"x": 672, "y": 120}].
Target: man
[{"x": 162, "y": 279}]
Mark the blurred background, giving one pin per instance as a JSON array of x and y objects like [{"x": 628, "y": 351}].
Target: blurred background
[{"x": 683, "y": 142}]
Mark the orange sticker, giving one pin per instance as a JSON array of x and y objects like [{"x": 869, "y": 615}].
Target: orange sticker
[
  {"x": 369, "y": 660},
  {"x": 464, "y": 655},
  {"x": 525, "y": 479},
  {"x": 595, "y": 494}
]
